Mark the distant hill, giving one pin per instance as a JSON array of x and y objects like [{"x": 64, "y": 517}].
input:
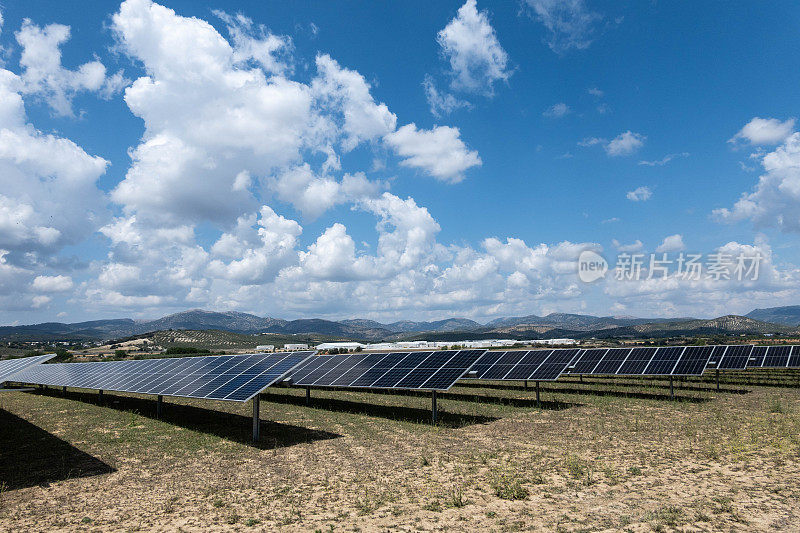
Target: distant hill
[
  {"x": 788, "y": 315},
  {"x": 573, "y": 321},
  {"x": 554, "y": 325}
]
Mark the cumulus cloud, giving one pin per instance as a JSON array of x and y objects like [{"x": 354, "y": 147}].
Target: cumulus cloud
[
  {"x": 764, "y": 131},
  {"x": 48, "y": 192},
  {"x": 673, "y": 243},
  {"x": 440, "y": 151},
  {"x": 775, "y": 200},
  {"x": 43, "y": 75},
  {"x": 52, "y": 283},
  {"x": 470, "y": 44},
  {"x": 569, "y": 22},
  {"x": 639, "y": 194},
  {"x": 625, "y": 144}
]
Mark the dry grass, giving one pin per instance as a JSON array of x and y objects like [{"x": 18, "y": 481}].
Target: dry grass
[{"x": 629, "y": 459}]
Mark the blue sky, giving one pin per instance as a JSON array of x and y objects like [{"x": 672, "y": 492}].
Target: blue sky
[{"x": 393, "y": 160}]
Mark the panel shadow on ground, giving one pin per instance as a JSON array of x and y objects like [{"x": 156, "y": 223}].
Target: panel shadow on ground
[
  {"x": 30, "y": 456},
  {"x": 223, "y": 424}
]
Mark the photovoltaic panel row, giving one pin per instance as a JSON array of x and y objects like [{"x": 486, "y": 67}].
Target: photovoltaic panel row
[
  {"x": 227, "y": 377},
  {"x": 774, "y": 357},
  {"x": 437, "y": 370},
  {"x": 668, "y": 361},
  {"x": 9, "y": 367},
  {"x": 522, "y": 365}
]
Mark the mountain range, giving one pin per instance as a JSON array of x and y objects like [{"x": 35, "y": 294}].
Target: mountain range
[{"x": 777, "y": 320}]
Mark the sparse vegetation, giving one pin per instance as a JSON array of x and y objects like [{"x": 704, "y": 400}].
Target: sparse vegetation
[{"x": 361, "y": 461}]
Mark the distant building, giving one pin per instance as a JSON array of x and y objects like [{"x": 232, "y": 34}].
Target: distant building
[
  {"x": 265, "y": 348},
  {"x": 339, "y": 345},
  {"x": 295, "y": 347}
]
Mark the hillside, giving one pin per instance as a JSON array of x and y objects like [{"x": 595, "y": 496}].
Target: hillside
[{"x": 788, "y": 315}]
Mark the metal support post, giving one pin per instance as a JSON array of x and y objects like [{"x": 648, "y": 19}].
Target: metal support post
[
  {"x": 308, "y": 395},
  {"x": 671, "y": 389},
  {"x": 256, "y": 418},
  {"x": 538, "y": 402},
  {"x": 718, "y": 380},
  {"x": 526, "y": 384},
  {"x": 434, "y": 407},
  {"x": 100, "y": 395},
  {"x": 159, "y": 406}
]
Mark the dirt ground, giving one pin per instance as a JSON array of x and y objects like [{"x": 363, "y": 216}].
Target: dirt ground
[{"x": 599, "y": 456}]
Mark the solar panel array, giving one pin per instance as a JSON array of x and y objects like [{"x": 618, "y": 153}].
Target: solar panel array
[
  {"x": 223, "y": 377},
  {"x": 669, "y": 361},
  {"x": 530, "y": 365},
  {"x": 774, "y": 357},
  {"x": 437, "y": 370},
  {"x": 10, "y": 367}
]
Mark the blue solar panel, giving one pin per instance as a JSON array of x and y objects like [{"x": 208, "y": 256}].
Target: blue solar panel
[
  {"x": 693, "y": 361},
  {"x": 757, "y": 356},
  {"x": 587, "y": 361},
  {"x": 10, "y": 367},
  {"x": 437, "y": 370},
  {"x": 611, "y": 361},
  {"x": 523, "y": 365},
  {"x": 637, "y": 361},
  {"x": 227, "y": 377},
  {"x": 777, "y": 357},
  {"x": 735, "y": 357}
]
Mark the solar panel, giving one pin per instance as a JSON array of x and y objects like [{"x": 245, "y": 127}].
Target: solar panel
[
  {"x": 777, "y": 357},
  {"x": 611, "y": 361},
  {"x": 637, "y": 361},
  {"x": 716, "y": 356},
  {"x": 9, "y": 367},
  {"x": 794, "y": 359},
  {"x": 693, "y": 361},
  {"x": 222, "y": 377},
  {"x": 735, "y": 357},
  {"x": 528, "y": 365},
  {"x": 437, "y": 370},
  {"x": 503, "y": 363},
  {"x": 664, "y": 361},
  {"x": 555, "y": 364},
  {"x": 587, "y": 361},
  {"x": 757, "y": 356}
]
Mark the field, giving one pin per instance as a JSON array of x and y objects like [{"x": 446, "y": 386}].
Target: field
[{"x": 596, "y": 455}]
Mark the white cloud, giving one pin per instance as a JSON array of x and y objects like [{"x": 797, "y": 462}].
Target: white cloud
[
  {"x": 775, "y": 200},
  {"x": 625, "y": 144},
  {"x": 476, "y": 58},
  {"x": 256, "y": 43},
  {"x": 639, "y": 194},
  {"x": 557, "y": 110},
  {"x": 764, "y": 131},
  {"x": 48, "y": 192},
  {"x": 594, "y": 91},
  {"x": 673, "y": 243},
  {"x": 635, "y": 246},
  {"x": 569, "y": 22},
  {"x": 442, "y": 104},
  {"x": 440, "y": 152},
  {"x": 364, "y": 120},
  {"x": 664, "y": 160},
  {"x": 44, "y": 75},
  {"x": 52, "y": 283}
]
